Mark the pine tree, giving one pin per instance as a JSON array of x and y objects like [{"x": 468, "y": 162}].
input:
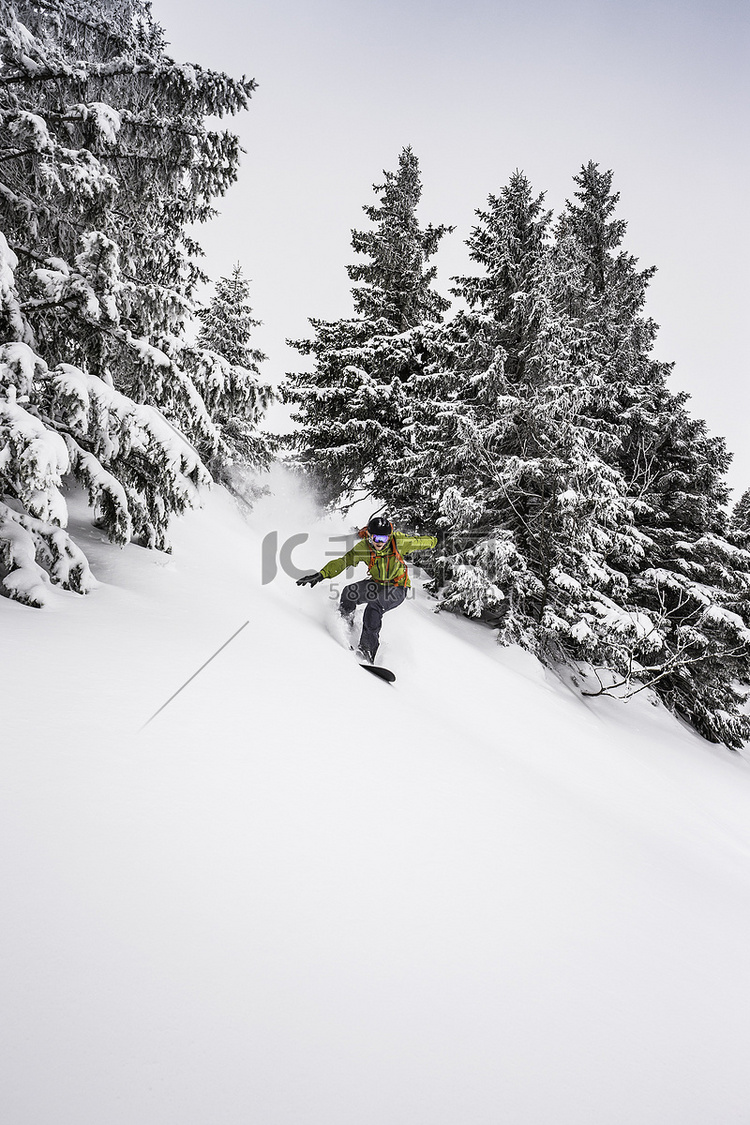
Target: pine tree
[
  {"x": 227, "y": 323},
  {"x": 395, "y": 284},
  {"x": 741, "y": 514},
  {"x": 686, "y": 579},
  {"x": 530, "y": 503},
  {"x": 134, "y": 466},
  {"x": 105, "y": 165},
  {"x": 226, "y": 369},
  {"x": 351, "y": 407},
  {"x": 668, "y": 460}
]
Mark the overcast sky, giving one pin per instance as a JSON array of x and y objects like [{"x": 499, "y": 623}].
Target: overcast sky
[{"x": 655, "y": 90}]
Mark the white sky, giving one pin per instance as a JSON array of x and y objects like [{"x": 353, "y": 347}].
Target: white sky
[{"x": 657, "y": 90}]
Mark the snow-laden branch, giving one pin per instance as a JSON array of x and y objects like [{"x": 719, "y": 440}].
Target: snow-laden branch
[{"x": 36, "y": 552}]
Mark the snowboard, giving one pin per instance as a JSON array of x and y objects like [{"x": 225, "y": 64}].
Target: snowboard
[{"x": 381, "y": 673}]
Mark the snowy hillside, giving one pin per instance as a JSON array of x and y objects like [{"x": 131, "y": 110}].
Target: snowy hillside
[{"x": 301, "y": 896}]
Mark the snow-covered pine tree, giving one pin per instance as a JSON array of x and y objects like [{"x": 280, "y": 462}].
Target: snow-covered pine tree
[
  {"x": 741, "y": 514},
  {"x": 226, "y": 369},
  {"x": 396, "y": 285},
  {"x": 499, "y": 454},
  {"x": 227, "y": 322},
  {"x": 351, "y": 407},
  {"x": 134, "y": 466},
  {"x": 105, "y": 164},
  {"x": 669, "y": 460},
  {"x": 686, "y": 577}
]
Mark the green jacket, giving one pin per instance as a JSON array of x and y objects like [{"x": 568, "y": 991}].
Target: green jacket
[{"x": 384, "y": 566}]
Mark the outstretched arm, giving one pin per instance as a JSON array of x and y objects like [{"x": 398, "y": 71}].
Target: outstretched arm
[
  {"x": 335, "y": 566},
  {"x": 408, "y": 543}
]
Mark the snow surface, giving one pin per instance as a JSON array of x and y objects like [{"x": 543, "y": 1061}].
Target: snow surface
[{"x": 300, "y": 896}]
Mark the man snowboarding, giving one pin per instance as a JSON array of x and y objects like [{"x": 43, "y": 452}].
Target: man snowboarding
[{"x": 382, "y": 549}]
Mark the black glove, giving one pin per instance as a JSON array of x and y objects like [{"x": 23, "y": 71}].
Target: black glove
[{"x": 310, "y": 579}]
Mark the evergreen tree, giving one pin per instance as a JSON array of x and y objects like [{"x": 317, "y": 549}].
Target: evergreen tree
[
  {"x": 226, "y": 368},
  {"x": 395, "y": 284},
  {"x": 351, "y": 407},
  {"x": 134, "y": 466},
  {"x": 669, "y": 461},
  {"x": 105, "y": 165},
  {"x": 227, "y": 323},
  {"x": 686, "y": 578},
  {"x": 741, "y": 514},
  {"x": 499, "y": 453}
]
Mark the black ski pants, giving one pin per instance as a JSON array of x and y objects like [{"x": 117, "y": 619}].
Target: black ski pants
[{"x": 378, "y": 599}]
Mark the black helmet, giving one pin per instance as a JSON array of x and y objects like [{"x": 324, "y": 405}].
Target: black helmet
[{"x": 379, "y": 525}]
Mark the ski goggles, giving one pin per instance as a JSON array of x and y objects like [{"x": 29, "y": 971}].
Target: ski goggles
[{"x": 379, "y": 540}]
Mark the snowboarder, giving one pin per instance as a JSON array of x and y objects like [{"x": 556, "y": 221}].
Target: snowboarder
[{"x": 382, "y": 549}]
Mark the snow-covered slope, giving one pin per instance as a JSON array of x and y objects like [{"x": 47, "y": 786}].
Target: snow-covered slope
[{"x": 300, "y": 896}]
